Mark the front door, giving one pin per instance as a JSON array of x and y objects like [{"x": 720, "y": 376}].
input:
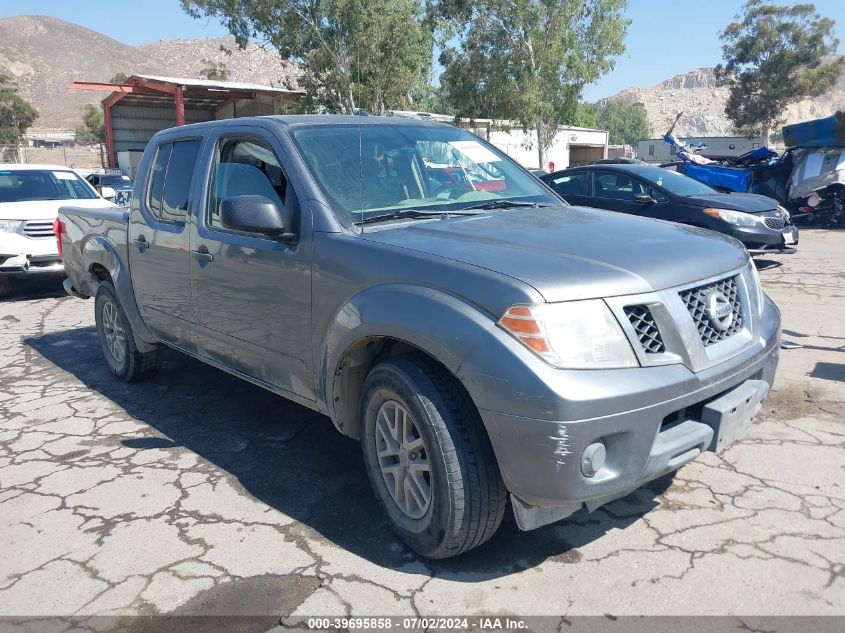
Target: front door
[
  {"x": 159, "y": 237},
  {"x": 251, "y": 292},
  {"x": 615, "y": 190}
]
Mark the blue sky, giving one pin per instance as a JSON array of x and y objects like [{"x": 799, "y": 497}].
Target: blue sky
[{"x": 667, "y": 37}]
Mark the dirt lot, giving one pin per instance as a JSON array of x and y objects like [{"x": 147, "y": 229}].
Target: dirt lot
[{"x": 199, "y": 493}]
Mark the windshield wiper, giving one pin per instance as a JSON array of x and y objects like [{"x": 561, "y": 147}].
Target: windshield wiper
[
  {"x": 409, "y": 213},
  {"x": 502, "y": 204}
]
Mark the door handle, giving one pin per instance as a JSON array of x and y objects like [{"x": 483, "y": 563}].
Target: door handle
[
  {"x": 141, "y": 243},
  {"x": 202, "y": 256}
]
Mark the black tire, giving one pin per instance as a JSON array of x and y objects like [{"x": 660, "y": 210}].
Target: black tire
[
  {"x": 467, "y": 494},
  {"x": 132, "y": 365},
  {"x": 5, "y": 287}
]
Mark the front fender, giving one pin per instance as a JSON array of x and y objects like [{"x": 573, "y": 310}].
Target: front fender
[{"x": 441, "y": 325}]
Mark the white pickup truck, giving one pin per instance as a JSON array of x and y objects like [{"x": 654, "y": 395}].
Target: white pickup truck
[{"x": 30, "y": 197}]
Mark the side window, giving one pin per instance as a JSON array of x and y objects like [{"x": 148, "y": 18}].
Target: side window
[
  {"x": 245, "y": 167},
  {"x": 159, "y": 171},
  {"x": 170, "y": 183},
  {"x": 617, "y": 185},
  {"x": 574, "y": 184},
  {"x": 658, "y": 195}
]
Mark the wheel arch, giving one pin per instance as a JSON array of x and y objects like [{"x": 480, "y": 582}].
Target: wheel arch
[
  {"x": 388, "y": 321},
  {"x": 103, "y": 263}
]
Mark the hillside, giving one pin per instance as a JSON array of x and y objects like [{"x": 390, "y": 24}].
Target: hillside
[
  {"x": 703, "y": 103},
  {"x": 44, "y": 55}
]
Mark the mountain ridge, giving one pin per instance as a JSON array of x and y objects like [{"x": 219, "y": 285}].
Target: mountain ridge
[{"x": 43, "y": 55}]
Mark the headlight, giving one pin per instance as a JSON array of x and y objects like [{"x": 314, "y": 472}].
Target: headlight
[
  {"x": 10, "y": 226},
  {"x": 758, "y": 287},
  {"x": 784, "y": 212},
  {"x": 571, "y": 335},
  {"x": 737, "y": 218}
]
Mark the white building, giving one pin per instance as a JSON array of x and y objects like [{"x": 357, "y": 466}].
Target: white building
[{"x": 656, "y": 150}]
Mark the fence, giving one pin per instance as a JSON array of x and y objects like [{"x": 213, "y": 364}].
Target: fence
[{"x": 83, "y": 157}]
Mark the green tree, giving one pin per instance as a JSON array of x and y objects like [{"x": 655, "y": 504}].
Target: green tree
[
  {"x": 626, "y": 122},
  {"x": 119, "y": 78},
  {"x": 586, "y": 115},
  {"x": 354, "y": 54},
  {"x": 216, "y": 71},
  {"x": 775, "y": 56},
  {"x": 93, "y": 129},
  {"x": 16, "y": 113},
  {"x": 529, "y": 60}
]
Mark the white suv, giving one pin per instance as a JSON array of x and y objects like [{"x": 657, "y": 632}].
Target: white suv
[{"x": 30, "y": 197}]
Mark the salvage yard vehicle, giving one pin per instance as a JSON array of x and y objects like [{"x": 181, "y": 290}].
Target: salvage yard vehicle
[
  {"x": 652, "y": 192},
  {"x": 480, "y": 345},
  {"x": 30, "y": 197},
  {"x": 122, "y": 186}
]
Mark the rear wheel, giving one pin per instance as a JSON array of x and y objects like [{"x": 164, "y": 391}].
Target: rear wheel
[
  {"x": 429, "y": 459},
  {"x": 5, "y": 287},
  {"x": 118, "y": 342}
]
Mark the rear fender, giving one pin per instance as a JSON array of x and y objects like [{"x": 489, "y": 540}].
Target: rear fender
[{"x": 97, "y": 253}]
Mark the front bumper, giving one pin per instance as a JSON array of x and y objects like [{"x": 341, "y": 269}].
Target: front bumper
[
  {"x": 761, "y": 239},
  {"x": 650, "y": 420},
  {"x": 22, "y": 256}
]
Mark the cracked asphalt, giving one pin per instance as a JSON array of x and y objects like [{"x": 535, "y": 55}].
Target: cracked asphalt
[{"x": 198, "y": 493}]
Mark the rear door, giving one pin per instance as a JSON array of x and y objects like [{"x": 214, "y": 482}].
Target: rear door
[
  {"x": 251, "y": 292},
  {"x": 158, "y": 239}
]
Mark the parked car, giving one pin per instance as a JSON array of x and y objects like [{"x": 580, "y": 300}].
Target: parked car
[
  {"x": 30, "y": 196},
  {"x": 480, "y": 344},
  {"x": 122, "y": 186},
  {"x": 758, "y": 222}
]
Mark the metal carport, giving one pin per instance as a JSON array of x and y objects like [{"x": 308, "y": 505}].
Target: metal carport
[{"x": 145, "y": 104}]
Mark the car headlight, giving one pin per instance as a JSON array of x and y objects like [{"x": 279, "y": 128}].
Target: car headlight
[
  {"x": 10, "y": 226},
  {"x": 784, "y": 212},
  {"x": 758, "y": 287},
  {"x": 737, "y": 218},
  {"x": 571, "y": 335}
]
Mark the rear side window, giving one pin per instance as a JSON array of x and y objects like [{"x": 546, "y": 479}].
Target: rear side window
[
  {"x": 170, "y": 182},
  {"x": 571, "y": 184}
]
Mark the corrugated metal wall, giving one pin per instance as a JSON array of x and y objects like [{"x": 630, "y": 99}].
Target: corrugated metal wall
[{"x": 134, "y": 126}]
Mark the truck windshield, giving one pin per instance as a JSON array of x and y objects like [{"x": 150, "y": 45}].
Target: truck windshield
[
  {"x": 370, "y": 169},
  {"x": 43, "y": 184}
]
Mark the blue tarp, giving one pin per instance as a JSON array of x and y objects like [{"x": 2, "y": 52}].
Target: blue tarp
[{"x": 734, "y": 178}]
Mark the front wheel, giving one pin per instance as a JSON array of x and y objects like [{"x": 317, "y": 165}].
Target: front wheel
[
  {"x": 429, "y": 459},
  {"x": 118, "y": 342}
]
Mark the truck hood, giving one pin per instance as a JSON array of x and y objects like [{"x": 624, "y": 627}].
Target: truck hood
[
  {"x": 748, "y": 202},
  {"x": 45, "y": 209},
  {"x": 572, "y": 253}
]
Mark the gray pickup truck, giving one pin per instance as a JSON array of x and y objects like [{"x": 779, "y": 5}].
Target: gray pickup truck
[{"x": 481, "y": 338}]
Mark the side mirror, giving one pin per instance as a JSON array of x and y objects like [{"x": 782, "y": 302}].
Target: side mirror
[
  {"x": 643, "y": 198},
  {"x": 253, "y": 214},
  {"x": 108, "y": 193}
]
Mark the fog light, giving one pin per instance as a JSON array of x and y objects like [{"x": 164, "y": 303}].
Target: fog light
[{"x": 592, "y": 459}]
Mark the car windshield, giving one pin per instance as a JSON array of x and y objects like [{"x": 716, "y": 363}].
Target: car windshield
[
  {"x": 675, "y": 183},
  {"x": 372, "y": 169},
  {"x": 111, "y": 181},
  {"x": 43, "y": 184}
]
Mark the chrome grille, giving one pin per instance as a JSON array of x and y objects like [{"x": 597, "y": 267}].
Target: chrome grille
[
  {"x": 775, "y": 223},
  {"x": 696, "y": 300},
  {"x": 39, "y": 228},
  {"x": 646, "y": 329}
]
